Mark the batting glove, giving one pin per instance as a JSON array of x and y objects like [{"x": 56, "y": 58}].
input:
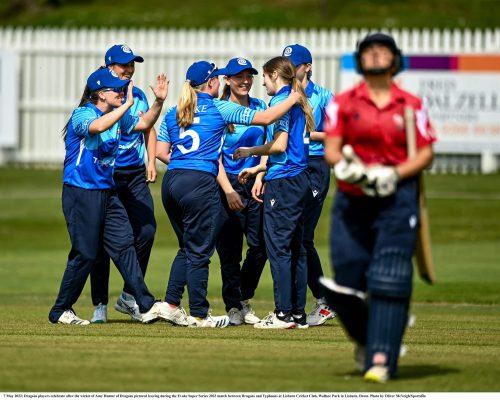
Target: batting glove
[
  {"x": 381, "y": 181},
  {"x": 350, "y": 169}
]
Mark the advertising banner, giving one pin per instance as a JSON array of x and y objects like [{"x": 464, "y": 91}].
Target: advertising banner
[{"x": 461, "y": 92}]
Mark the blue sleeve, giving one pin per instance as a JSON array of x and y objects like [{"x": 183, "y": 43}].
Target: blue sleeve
[
  {"x": 141, "y": 100},
  {"x": 283, "y": 124},
  {"x": 163, "y": 135},
  {"x": 327, "y": 97},
  {"x": 81, "y": 120},
  {"x": 233, "y": 113},
  {"x": 128, "y": 122}
]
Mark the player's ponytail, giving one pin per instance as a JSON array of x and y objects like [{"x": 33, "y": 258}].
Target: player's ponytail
[
  {"x": 186, "y": 107},
  {"x": 304, "y": 104},
  {"x": 286, "y": 71}
]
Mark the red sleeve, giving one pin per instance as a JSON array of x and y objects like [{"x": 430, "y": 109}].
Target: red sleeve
[
  {"x": 335, "y": 122},
  {"x": 425, "y": 132}
]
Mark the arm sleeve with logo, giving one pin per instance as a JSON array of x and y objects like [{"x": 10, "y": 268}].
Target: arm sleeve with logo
[{"x": 234, "y": 113}]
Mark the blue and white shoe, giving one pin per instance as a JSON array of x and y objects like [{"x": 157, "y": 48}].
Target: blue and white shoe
[{"x": 126, "y": 304}]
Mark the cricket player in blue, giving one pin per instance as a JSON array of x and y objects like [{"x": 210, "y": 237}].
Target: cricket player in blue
[
  {"x": 94, "y": 215},
  {"x": 194, "y": 132},
  {"x": 319, "y": 176},
  {"x": 131, "y": 184},
  {"x": 244, "y": 212},
  {"x": 286, "y": 188}
]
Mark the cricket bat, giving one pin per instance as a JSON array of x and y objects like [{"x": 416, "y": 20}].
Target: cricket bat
[{"x": 423, "y": 249}]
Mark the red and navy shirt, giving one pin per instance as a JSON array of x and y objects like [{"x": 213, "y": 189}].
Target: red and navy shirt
[{"x": 377, "y": 135}]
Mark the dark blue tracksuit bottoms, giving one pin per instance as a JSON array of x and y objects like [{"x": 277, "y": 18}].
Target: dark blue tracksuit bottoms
[
  {"x": 283, "y": 233},
  {"x": 240, "y": 285},
  {"x": 319, "y": 177},
  {"x": 96, "y": 219},
  {"x": 192, "y": 201},
  {"x": 134, "y": 194}
]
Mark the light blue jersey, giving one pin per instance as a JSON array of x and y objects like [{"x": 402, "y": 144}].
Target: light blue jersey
[
  {"x": 132, "y": 147},
  {"x": 319, "y": 98},
  {"x": 198, "y": 146},
  {"x": 90, "y": 159},
  {"x": 294, "y": 160},
  {"x": 244, "y": 136}
]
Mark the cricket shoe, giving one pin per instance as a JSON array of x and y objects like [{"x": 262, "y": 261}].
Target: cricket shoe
[
  {"x": 69, "y": 317},
  {"x": 377, "y": 374},
  {"x": 100, "y": 314},
  {"x": 126, "y": 304},
  {"x": 248, "y": 313},
  {"x": 300, "y": 321},
  {"x": 208, "y": 322},
  {"x": 320, "y": 313},
  {"x": 235, "y": 317},
  {"x": 276, "y": 321},
  {"x": 176, "y": 315}
]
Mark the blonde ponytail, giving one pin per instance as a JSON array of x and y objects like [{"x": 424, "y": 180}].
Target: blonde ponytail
[
  {"x": 304, "y": 104},
  {"x": 186, "y": 106}
]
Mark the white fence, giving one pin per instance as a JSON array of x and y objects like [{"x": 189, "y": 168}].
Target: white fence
[{"x": 56, "y": 62}]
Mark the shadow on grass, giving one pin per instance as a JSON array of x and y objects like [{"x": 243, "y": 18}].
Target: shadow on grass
[
  {"x": 410, "y": 372},
  {"x": 424, "y": 371}
]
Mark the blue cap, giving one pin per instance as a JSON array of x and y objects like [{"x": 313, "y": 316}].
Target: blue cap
[
  {"x": 120, "y": 54},
  {"x": 297, "y": 54},
  {"x": 236, "y": 65},
  {"x": 105, "y": 78},
  {"x": 200, "y": 72}
]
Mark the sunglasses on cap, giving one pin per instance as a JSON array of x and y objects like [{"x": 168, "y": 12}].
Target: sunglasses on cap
[{"x": 116, "y": 90}]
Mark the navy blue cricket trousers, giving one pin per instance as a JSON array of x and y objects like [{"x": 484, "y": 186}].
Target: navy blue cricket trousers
[
  {"x": 284, "y": 201},
  {"x": 96, "y": 218},
  {"x": 133, "y": 192},
  {"x": 192, "y": 201},
  {"x": 319, "y": 177},
  {"x": 241, "y": 285},
  {"x": 362, "y": 227}
]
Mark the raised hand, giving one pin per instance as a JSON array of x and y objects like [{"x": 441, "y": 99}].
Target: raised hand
[{"x": 161, "y": 88}]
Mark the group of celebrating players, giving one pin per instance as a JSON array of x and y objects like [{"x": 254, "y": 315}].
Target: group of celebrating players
[{"x": 237, "y": 168}]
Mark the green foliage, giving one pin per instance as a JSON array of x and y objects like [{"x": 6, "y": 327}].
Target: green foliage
[
  {"x": 454, "y": 346},
  {"x": 256, "y": 14}
]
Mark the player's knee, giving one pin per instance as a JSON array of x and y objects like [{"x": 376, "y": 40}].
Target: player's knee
[
  {"x": 390, "y": 274},
  {"x": 146, "y": 235}
]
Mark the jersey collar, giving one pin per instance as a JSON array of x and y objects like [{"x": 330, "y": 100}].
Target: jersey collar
[{"x": 93, "y": 107}]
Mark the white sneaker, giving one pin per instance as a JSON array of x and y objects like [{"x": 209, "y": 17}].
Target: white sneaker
[
  {"x": 377, "y": 374},
  {"x": 235, "y": 316},
  {"x": 126, "y": 304},
  {"x": 100, "y": 314},
  {"x": 248, "y": 314},
  {"x": 320, "y": 313},
  {"x": 208, "y": 322},
  {"x": 68, "y": 317},
  {"x": 152, "y": 315},
  {"x": 175, "y": 315},
  {"x": 273, "y": 322}
]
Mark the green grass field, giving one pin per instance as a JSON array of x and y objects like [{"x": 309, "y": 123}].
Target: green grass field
[
  {"x": 454, "y": 346},
  {"x": 256, "y": 14}
]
